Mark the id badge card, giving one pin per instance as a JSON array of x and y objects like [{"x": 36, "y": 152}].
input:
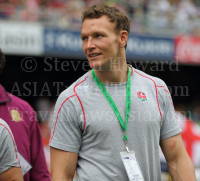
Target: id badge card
[
  {"x": 24, "y": 164},
  {"x": 131, "y": 166}
]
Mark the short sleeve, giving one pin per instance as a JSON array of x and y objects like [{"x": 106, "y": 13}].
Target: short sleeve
[
  {"x": 8, "y": 149},
  {"x": 66, "y": 131},
  {"x": 170, "y": 125}
]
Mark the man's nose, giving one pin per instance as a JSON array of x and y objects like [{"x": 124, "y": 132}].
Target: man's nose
[{"x": 90, "y": 43}]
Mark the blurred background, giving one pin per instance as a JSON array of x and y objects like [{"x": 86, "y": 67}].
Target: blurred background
[{"x": 41, "y": 41}]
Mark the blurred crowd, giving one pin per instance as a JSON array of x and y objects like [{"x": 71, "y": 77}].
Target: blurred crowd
[
  {"x": 189, "y": 111},
  {"x": 148, "y": 16}
]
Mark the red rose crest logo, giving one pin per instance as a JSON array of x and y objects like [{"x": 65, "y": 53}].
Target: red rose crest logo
[{"x": 141, "y": 96}]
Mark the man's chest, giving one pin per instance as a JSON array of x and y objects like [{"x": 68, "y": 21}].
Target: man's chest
[{"x": 101, "y": 119}]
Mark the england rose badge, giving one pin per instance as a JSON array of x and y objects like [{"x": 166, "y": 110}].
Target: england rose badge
[{"x": 141, "y": 96}]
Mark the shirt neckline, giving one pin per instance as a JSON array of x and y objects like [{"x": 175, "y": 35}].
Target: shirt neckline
[{"x": 110, "y": 85}]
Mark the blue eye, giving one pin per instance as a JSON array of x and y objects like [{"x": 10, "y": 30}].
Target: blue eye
[
  {"x": 84, "y": 38},
  {"x": 98, "y": 35}
]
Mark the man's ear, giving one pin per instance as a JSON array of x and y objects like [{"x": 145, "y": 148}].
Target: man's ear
[{"x": 123, "y": 38}]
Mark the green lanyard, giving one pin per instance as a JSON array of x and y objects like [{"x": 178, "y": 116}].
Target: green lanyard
[{"x": 112, "y": 103}]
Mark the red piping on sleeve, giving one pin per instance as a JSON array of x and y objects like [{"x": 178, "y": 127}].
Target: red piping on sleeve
[
  {"x": 54, "y": 129},
  {"x": 63, "y": 104},
  {"x": 155, "y": 86},
  {"x": 166, "y": 91},
  {"x": 14, "y": 144},
  {"x": 170, "y": 99},
  {"x": 81, "y": 101}
]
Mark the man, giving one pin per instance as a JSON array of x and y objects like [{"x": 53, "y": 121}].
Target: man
[
  {"x": 9, "y": 162},
  {"x": 21, "y": 118},
  {"x": 114, "y": 110}
]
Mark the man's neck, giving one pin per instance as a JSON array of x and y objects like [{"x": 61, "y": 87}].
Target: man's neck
[{"x": 114, "y": 76}]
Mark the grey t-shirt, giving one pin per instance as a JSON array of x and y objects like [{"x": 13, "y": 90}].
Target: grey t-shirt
[
  {"x": 84, "y": 123},
  {"x": 8, "y": 149}
]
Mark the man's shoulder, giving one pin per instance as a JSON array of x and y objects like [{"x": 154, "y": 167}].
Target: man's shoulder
[
  {"x": 4, "y": 126},
  {"x": 18, "y": 102},
  {"x": 2, "y": 122},
  {"x": 148, "y": 79},
  {"x": 71, "y": 91}
]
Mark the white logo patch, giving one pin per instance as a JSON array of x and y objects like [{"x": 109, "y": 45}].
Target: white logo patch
[{"x": 84, "y": 87}]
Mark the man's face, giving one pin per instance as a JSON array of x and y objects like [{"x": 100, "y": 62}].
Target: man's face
[{"x": 100, "y": 43}]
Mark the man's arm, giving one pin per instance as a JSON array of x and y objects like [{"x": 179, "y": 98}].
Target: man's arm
[
  {"x": 179, "y": 163},
  {"x": 12, "y": 174},
  {"x": 63, "y": 164},
  {"x": 10, "y": 169}
]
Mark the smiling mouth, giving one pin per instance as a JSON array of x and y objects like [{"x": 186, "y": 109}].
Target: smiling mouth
[{"x": 94, "y": 55}]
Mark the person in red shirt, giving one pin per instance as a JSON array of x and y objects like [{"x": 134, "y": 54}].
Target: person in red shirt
[{"x": 21, "y": 118}]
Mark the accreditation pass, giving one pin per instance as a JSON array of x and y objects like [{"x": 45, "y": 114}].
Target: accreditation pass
[{"x": 131, "y": 166}]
